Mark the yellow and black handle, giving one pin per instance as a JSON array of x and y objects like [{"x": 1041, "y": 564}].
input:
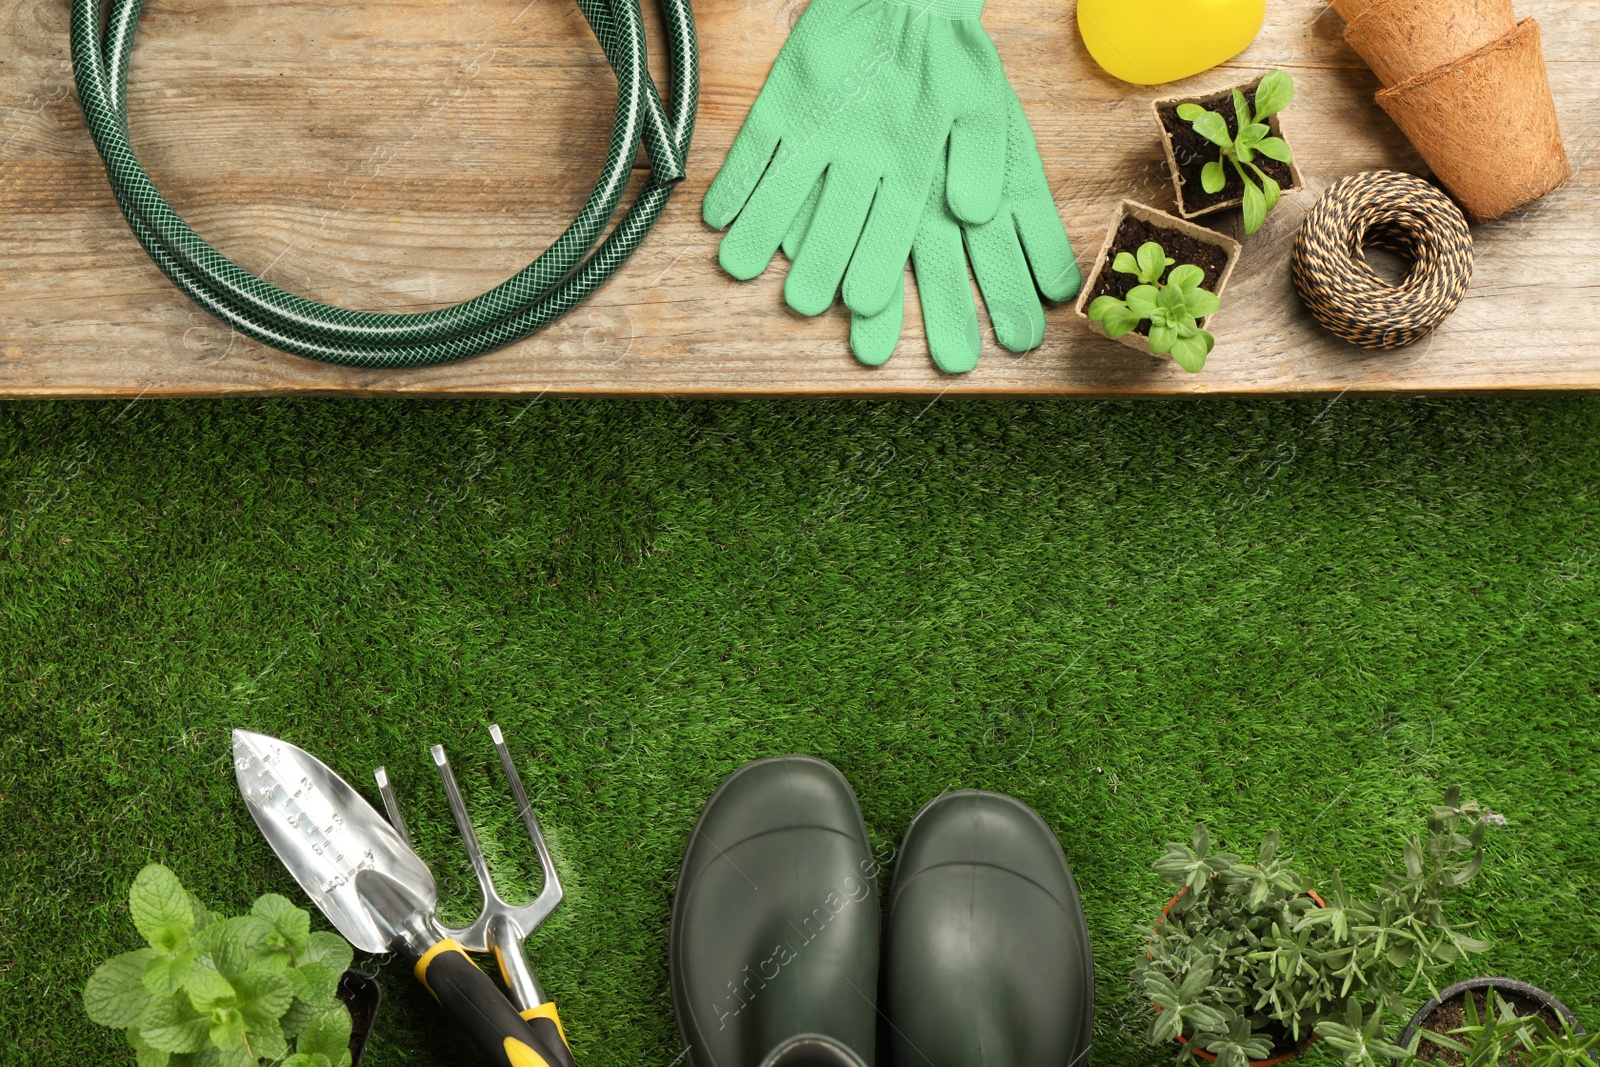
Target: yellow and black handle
[
  {"x": 547, "y": 1027},
  {"x": 507, "y": 1037}
]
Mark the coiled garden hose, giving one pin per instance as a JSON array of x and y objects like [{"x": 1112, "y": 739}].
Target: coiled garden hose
[{"x": 567, "y": 272}]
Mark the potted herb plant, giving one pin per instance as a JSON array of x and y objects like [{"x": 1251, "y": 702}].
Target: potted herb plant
[
  {"x": 1248, "y": 965},
  {"x": 231, "y": 992},
  {"x": 1227, "y": 148},
  {"x": 1157, "y": 282},
  {"x": 1498, "y": 1022}
]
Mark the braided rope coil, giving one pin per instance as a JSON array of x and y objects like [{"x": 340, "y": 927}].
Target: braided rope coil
[{"x": 1402, "y": 214}]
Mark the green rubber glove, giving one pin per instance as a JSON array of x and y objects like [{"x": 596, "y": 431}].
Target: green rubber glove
[
  {"x": 1022, "y": 252},
  {"x": 864, "y": 97}
]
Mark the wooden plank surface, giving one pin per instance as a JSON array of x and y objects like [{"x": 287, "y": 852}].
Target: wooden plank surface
[{"x": 406, "y": 154}]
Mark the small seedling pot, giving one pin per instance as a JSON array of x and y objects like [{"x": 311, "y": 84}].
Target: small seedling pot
[
  {"x": 362, "y": 995},
  {"x": 1520, "y": 995},
  {"x": 1194, "y": 201},
  {"x": 1486, "y": 123},
  {"x": 1161, "y": 223}
]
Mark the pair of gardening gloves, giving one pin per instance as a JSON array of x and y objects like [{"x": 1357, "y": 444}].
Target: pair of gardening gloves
[{"x": 887, "y": 132}]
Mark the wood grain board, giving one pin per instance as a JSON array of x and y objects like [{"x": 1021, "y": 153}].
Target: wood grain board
[{"x": 407, "y": 154}]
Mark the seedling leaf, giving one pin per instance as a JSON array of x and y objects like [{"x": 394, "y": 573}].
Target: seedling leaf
[
  {"x": 1213, "y": 128},
  {"x": 1241, "y": 110},
  {"x": 1273, "y": 94},
  {"x": 1187, "y": 277},
  {"x": 1255, "y": 207},
  {"x": 1153, "y": 262},
  {"x": 1275, "y": 148}
]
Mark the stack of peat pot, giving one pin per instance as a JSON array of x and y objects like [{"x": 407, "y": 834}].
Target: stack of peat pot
[{"x": 1466, "y": 82}]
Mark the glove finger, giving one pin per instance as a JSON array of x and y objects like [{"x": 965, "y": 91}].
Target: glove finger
[
  {"x": 758, "y": 231},
  {"x": 948, "y": 312},
  {"x": 879, "y": 265},
  {"x": 802, "y": 222},
  {"x": 977, "y": 166},
  {"x": 831, "y": 239},
  {"x": 873, "y": 338},
  {"x": 1049, "y": 249},
  {"x": 1006, "y": 284},
  {"x": 747, "y": 161},
  {"x": 1044, "y": 238}
]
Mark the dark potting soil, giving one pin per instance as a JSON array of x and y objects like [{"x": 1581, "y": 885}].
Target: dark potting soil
[
  {"x": 1452, "y": 1015},
  {"x": 1192, "y": 152},
  {"x": 1282, "y": 1043},
  {"x": 1133, "y": 233}
]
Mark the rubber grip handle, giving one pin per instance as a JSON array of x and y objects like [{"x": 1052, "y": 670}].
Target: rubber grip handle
[
  {"x": 473, "y": 1000},
  {"x": 546, "y": 1023}
]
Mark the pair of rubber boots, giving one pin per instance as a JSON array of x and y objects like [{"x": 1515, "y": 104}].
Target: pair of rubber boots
[{"x": 776, "y": 947}]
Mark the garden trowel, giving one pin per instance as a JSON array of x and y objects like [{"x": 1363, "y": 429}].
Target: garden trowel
[{"x": 374, "y": 889}]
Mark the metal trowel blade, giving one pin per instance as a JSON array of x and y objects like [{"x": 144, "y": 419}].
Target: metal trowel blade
[{"x": 326, "y": 834}]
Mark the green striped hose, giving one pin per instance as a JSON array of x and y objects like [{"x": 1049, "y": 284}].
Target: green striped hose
[{"x": 567, "y": 272}]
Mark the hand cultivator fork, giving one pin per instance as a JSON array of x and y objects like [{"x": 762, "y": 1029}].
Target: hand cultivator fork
[{"x": 500, "y": 928}]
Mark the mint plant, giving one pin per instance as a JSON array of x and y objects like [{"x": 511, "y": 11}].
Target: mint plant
[
  {"x": 1245, "y": 954},
  {"x": 1261, "y": 192},
  {"x": 1172, "y": 309},
  {"x": 209, "y": 991}
]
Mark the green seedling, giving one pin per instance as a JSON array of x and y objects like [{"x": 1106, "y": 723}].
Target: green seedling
[
  {"x": 1502, "y": 1038},
  {"x": 208, "y": 991},
  {"x": 1246, "y": 955},
  {"x": 1261, "y": 193},
  {"x": 1172, "y": 309}
]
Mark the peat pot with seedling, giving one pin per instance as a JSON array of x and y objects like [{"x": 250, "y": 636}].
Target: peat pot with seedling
[
  {"x": 1248, "y": 965},
  {"x": 1498, "y": 1022},
  {"x": 211, "y": 991},
  {"x": 1157, "y": 283},
  {"x": 1227, "y": 149}
]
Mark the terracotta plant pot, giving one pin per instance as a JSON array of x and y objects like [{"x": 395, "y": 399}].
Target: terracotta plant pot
[
  {"x": 362, "y": 995},
  {"x": 1192, "y": 199},
  {"x": 1210, "y": 1057},
  {"x": 1486, "y": 123},
  {"x": 1216, "y": 281},
  {"x": 1403, "y": 39},
  {"x": 1530, "y": 996}
]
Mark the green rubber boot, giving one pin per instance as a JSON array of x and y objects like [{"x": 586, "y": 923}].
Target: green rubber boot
[
  {"x": 774, "y": 942},
  {"x": 986, "y": 957}
]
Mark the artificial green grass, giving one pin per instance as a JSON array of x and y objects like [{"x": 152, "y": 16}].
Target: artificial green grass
[{"x": 1296, "y": 615}]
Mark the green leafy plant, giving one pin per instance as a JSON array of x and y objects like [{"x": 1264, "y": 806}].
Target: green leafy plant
[
  {"x": 1245, "y": 955},
  {"x": 1502, "y": 1038},
  {"x": 1172, "y": 309},
  {"x": 209, "y": 991},
  {"x": 1261, "y": 193}
]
